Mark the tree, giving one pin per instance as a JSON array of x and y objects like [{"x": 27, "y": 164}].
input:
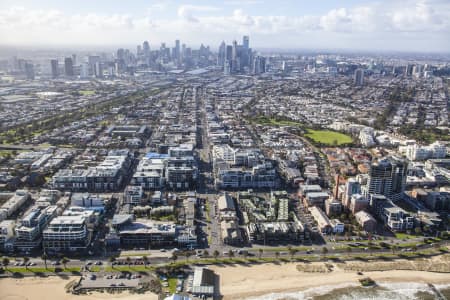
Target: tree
[
  {"x": 174, "y": 257},
  {"x": 128, "y": 261},
  {"x": 324, "y": 250},
  {"x": 112, "y": 259},
  {"x": 187, "y": 254},
  {"x": 277, "y": 254},
  {"x": 394, "y": 248},
  {"x": 205, "y": 253},
  {"x": 216, "y": 254},
  {"x": 230, "y": 253},
  {"x": 5, "y": 262},
  {"x": 145, "y": 259},
  {"x": 26, "y": 259},
  {"x": 417, "y": 230},
  {"x": 292, "y": 252},
  {"x": 260, "y": 253},
  {"x": 44, "y": 257},
  {"x": 64, "y": 261}
]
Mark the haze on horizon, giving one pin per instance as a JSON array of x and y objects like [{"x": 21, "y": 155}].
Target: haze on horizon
[{"x": 384, "y": 25}]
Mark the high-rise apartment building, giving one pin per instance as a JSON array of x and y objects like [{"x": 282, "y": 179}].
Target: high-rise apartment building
[
  {"x": 358, "y": 78},
  {"x": 54, "y": 68},
  {"x": 68, "y": 67},
  {"x": 387, "y": 177}
]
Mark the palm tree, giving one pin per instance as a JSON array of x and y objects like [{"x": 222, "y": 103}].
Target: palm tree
[
  {"x": 44, "y": 258},
  {"x": 187, "y": 254},
  {"x": 112, "y": 259},
  {"x": 26, "y": 259},
  {"x": 394, "y": 248},
  {"x": 277, "y": 255},
  {"x": 260, "y": 253},
  {"x": 128, "y": 261},
  {"x": 64, "y": 261},
  {"x": 216, "y": 254},
  {"x": 5, "y": 262},
  {"x": 348, "y": 249},
  {"x": 292, "y": 251},
  {"x": 145, "y": 259}
]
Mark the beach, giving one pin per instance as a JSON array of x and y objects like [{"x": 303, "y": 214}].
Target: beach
[
  {"x": 246, "y": 281},
  {"x": 53, "y": 288}
]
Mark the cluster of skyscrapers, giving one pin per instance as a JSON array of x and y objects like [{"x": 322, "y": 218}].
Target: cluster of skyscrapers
[{"x": 240, "y": 58}]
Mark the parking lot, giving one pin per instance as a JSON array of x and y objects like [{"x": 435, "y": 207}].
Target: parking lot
[{"x": 92, "y": 281}]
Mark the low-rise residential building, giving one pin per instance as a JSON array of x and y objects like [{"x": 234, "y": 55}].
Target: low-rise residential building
[
  {"x": 366, "y": 221},
  {"x": 13, "y": 201},
  {"x": 323, "y": 222}
]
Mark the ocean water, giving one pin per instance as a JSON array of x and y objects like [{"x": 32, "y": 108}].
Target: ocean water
[{"x": 383, "y": 291}]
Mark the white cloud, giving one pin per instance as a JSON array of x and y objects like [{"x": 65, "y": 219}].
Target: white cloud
[
  {"x": 187, "y": 11},
  {"x": 396, "y": 23}
]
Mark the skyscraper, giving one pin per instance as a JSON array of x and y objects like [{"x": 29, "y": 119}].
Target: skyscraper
[
  {"x": 68, "y": 67},
  {"x": 54, "y": 68},
  {"x": 176, "y": 54},
  {"x": 259, "y": 65},
  {"x": 146, "y": 49},
  {"x": 29, "y": 71},
  {"x": 387, "y": 177},
  {"x": 246, "y": 42},
  {"x": 358, "y": 78},
  {"x": 222, "y": 54}
]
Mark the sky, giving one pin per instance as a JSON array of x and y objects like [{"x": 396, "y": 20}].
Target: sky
[{"x": 376, "y": 25}]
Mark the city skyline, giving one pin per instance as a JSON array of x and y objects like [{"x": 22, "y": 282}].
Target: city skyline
[{"x": 418, "y": 26}]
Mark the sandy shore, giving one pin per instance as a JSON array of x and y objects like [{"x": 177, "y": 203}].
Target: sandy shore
[
  {"x": 240, "y": 282},
  {"x": 52, "y": 288}
]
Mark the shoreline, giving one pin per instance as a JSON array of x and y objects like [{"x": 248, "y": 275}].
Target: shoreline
[{"x": 247, "y": 282}]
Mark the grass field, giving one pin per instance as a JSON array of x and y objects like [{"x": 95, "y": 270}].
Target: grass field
[
  {"x": 328, "y": 137},
  {"x": 87, "y": 92}
]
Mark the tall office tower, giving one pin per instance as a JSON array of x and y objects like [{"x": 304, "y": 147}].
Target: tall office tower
[
  {"x": 234, "y": 51},
  {"x": 84, "y": 70},
  {"x": 183, "y": 52},
  {"x": 54, "y": 67},
  {"x": 68, "y": 67},
  {"x": 176, "y": 54},
  {"x": 246, "y": 42},
  {"x": 387, "y": 177},
  {"x": 120, "y": 54},
  {"x": 98, "y": 69},
  {"x": 245, "y": 50},
  {"x": 259, "y": 65},
  {"x": 408, "y": 70},
  {"x": 222, "y": 54},
  {"x": 146, "y": 49},
  {"x": 139, "y": 50},
  {"x": 74, "y": 59},
  {"x": 229, "y": 53},
  {"x": 29, "y": 71},
  {"x": 358, "y": 78}
]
